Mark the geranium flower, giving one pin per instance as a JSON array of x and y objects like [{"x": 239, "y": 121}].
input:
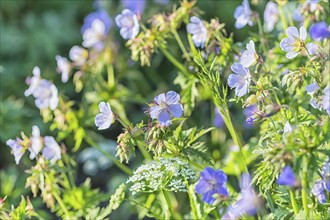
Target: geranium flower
[
  {"x": 198, "y": 31},
  {"x": 78, "y": 55},
  {"x": 128, "y": 23},
  {"x": 35, "y": 142},
  {"x": 16, "y": 149},
  {"x": 320, "y": 31},
  {"x": 52, "y": 150},
  {"x": 294, "y": 43},
  {"x": 249, "y": 56},
  {"x": 95, "y": 35},
  {"x": 101, "y": 15},
  {"x": 240, "y": 80},
  {"x": 287, "y": 177},
  {"x": 318, "y": 191},
  {"x": 271, "y": 15},
  {"x": 212, "y": 183},
  {"x": 104, "y": 119},
  {"x": 135, "y": 6},
  {"x": 326, "y": 99},
  {"x": 242, "y": 15},
  {"x": 312, "y": 48},
  {"x": 326, "y": 175},
  {"x": 164, "y": 106},
  {"x": 63, "y": 67}
]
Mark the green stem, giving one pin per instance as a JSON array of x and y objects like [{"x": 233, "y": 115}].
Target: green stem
[
  {"x": 261, "y": 32},
  {"x": 60, "y": 202},
  {"x": 182, "y": 47},
  {"x": 168, "y": 202},
  {"x": 294, "y": 202},
  {"x": 270, "y": 202},
  {"x": 283, "y": 20},
  {"x": 111, "y": 76},
  {"x": 174, "y": 61},
  {"x": 143, "y": 150},
  {"x": 304, "y": 187},
  {"x": 108, "y": 155}
]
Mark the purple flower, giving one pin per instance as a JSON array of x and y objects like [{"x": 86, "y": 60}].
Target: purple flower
[
  {"x": 242, "y": 15},
  {"x": 218, "y": 120},
  {"x": 128, "y": 23},
  {"x": 95, "y": 35},
  {"x": 212, "y": 183},
  {"x": 312, "y": 4},
  {"x": 249, "y": 112},
  {"x": 312, "y": 48},
  {"x": 326, "y": 175},
  {"x": 104, "y": 119},
  {"x": 52, "y": 150},
  {"x": 78, "y": 55},
  {"x": 320, "y": 31},
  {"x": 35, "y": 142},
  {"x": 16, "y": 149},
  {"x": 101, "y": 15},
  {"x": 297, "y": 15},
  {"x": 136, "y": 6},
  {"x": 287, "y": 177},
  {"x": 164, "y": 106},
  {"x": 318, "y": 191},
  {"x": 240, "y": 80},
  {"x": 248, "y": 202},
  {"x": 293, "y": 43},
  {"x": 249, "y": 56},
  {"x": 198, "y": 30},
  {"x": 271, "y": 15},
  {"x": 326, "y": 100},
  {"x": 63, "y": 67},
  {"x": 44, "y": 92}
]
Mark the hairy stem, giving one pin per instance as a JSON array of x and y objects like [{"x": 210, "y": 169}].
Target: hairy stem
[{"x": 294, "y": 202}]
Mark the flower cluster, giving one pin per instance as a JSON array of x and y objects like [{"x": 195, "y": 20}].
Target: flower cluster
[{"x": 322, "y": 185}]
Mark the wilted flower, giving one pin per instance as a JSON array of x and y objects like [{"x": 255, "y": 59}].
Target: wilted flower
[
  {"x": 294, "y": 43},
  {"x": 44, "y": 92},
  {"x": 287, "y": 177},
  {"x": 287, "y": 128},
  {"x": 104, "y": 119},
  {"x": 218, "y": 119},
  {"x": 52, "y": 150},
  {"x": 16, "y": 148},
  {"x": 320, "y": 31},
  {"x": 95, "y": 35},
  {"x": 78, "y": 55},
  {"x": 128, "y": 23},
  {"x": 35, "y": 142},
  {"x": 271, "y": 15},
  {"x": 242, "y": 15},
  {"x": 164, "y": 106},
  {"x": 249, "y": 56},
  {"x": 240, "y": 80},
  {"x": 248, "y": 203},
  {"x": 101, "y": 15},
  {"x": 198, "y": 30},
  {"x": 211, "y": 184},
  {"x": 63, "y": 67}
]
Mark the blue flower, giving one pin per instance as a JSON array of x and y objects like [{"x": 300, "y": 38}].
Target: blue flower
[
  {"x": 326, "y": 99},
  {"x": 63, "y": 67},
  {"x": 198, "y": 30},
  {"x": 136, "y": 6},
  {"x": 95, "y": 35},
  {"x": 44, "y": 92},
  {"x": 318, "y": 191},
  {"x": 16, "y": 148},
  {"x": 312, "y": 4},
  {"x": 271, "y": 15},
  {"x": 320, "y": 31},
  {"x": 326, "y": 175},
  {"x": 218, "y": 119},
  {"x": 248, "y": 202},
  {"x": 52, "y": 150},
  {"x": 164, "y": 106},
  {"x": 212, "y": 183},
  {"x": 312, "y": 48},
  {"x": 249, "y": 56},
  {"x": 104, "y": 119},
  {"x": 128, "y": 23},
  {"x": 287, "y": 177},
  {"x": 242, "y": 15},
  {"x": 311, "y": 89},
  {"x": 101, "y": 15},
  {"x": 78, "y": 55},
  {"x": 35, "y": 143},
  {"x": 293, "y": 44},
  {"x": 240, "y": 80}
]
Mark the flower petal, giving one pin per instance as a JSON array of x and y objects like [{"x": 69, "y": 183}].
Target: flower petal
[
  {"x": 164, "y": 118},
  {"x": 176, "y": 110},
  {"x": 154, "y": 111},
  {"x": 292, "y": 32},
  {"x": 303, "y": 33},
  {"x": 102, "y": 121},
  {"x": 172, "y": 97}
]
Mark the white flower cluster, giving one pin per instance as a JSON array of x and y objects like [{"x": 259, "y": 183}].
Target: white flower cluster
[{"x": 166, "y": 173}]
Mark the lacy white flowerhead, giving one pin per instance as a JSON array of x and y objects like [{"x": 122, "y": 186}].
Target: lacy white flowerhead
[
  {"x": 271, "y": 15},
  {"x": 294, "y": 43},
  {"x": 242, "y": 15},
  {"x": 44, "y": 92},
  {"x": 95, "y": 35},
  {"x": 63, "y": 67},
  {"x": 128, "y": 23},
  {"x": 240, "y": 79},
  {"x": 78, "y": 55},
  {"x": 35, "y": 142},
  {"x": 164, "y": 106},
  {"x": 198, "y": 30},
  {"x": 52, "y": 150},
  {"x": 104, "y": 119},
  {"x": 249, "y": 56}
]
